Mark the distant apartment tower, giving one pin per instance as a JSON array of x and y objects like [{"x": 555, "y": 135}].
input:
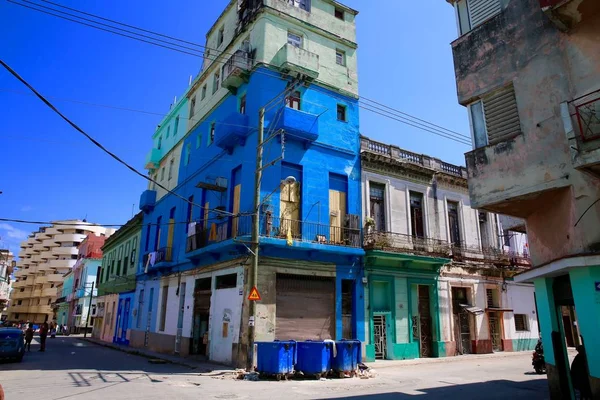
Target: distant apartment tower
[
  {"x": 527, "y": 71},
  {"x": 43, "y": 260}
]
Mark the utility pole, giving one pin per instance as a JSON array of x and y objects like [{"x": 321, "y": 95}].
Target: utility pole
[
  {"x": 253, "y": 273},
  {"x": 87, "y": 319}
]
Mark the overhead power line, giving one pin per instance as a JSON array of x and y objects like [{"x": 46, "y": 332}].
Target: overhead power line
[
  {"x": 114, "y": 156},
  {"x": 98, "y": 144},
  {"x": 368, "y": 104}
]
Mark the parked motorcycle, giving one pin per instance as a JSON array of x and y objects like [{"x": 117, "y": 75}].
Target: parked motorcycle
[{"x": 537, "y": 359}]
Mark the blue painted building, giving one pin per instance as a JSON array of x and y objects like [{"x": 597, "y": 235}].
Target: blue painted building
[{"x": 299, "y": 62}]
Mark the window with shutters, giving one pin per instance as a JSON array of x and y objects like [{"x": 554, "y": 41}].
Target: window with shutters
[
  {"x": 495, "y": 118},
  {"x": 472, "y": 13},
  {"x": 453, "y": 222},
  {"x": 521, "y": 323},
  {"x": 416, "y": 214},
  {"x": 493, "y": 300},
  {"x": 338, "y": 187}
]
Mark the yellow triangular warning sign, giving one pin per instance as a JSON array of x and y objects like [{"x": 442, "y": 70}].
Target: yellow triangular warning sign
[{"x": 254, "y": 295}]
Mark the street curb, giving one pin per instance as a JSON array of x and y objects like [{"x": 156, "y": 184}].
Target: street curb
[{"x": 136, "y": 352}]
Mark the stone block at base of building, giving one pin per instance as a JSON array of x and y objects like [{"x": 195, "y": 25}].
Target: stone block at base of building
[
  {"x": 450, "y": 349},
  {"x": 507, "y": 345},
  {"x": 482, "y": 346}
]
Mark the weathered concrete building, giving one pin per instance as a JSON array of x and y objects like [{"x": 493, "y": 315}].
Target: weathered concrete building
[
  {"x": 439, "y": 275},
  {"x": 528, "y": 73},
  {"x": 6, "y": 270}
]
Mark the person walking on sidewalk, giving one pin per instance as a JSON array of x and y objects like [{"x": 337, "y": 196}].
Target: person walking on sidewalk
[
  {"x": 43, "y": 336},
  {"x": 29, "y": 337}
]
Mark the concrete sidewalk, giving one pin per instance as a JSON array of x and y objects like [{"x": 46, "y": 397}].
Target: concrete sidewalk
[
  {"x": 467, "y": 357},
  {"x": 200, "y": 366}
]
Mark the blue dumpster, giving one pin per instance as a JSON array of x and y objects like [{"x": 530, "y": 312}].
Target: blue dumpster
[
  {"x": 314, "y": 358},
  {"x": 276, "y": 358},
  {"x": 347, "y": 357}
]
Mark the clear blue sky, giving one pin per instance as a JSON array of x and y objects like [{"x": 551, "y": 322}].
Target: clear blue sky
[{"x": 49, "y": 171}]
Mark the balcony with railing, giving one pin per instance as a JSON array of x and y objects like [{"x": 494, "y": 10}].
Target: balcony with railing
[
  {"x": 294, "y": 59},
  {"x": 407, "y": 244},
  {"x": 160, "y": 258},
  {"x": 473, "y": 255},
  {"x": 583, "y": 131},
  {"x": 235, "y": 70},
  {"x": 272, "y": 230},
  {"x": 376, "y": 150},
  {"x": 298, "y": 125},
  {"x": 233, "y": 132},
  {"x": 465, "y": 255}
]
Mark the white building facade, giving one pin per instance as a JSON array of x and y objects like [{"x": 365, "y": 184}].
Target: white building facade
[{"x": 449, "y": 266}]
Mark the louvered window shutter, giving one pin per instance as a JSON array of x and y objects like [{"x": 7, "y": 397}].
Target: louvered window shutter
[
  {"x": 481, "y": 10},
  {"x": 501, "y": 115}
]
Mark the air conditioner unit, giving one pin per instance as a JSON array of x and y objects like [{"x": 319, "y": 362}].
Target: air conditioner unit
[{"x": 221, "y": 182}]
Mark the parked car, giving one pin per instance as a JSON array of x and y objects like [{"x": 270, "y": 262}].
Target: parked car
[{"x": 12, "y": 343}]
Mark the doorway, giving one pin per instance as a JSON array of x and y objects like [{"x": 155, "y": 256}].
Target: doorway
[
  {"x": 202, "y": 294},
  {"x": 462, "y": 326},
  {"x": 381, "y": 334},
  {"x": 425, "y": 322},
  {"x": 495, "y": 330},
  {"x": 347, "y": 301},
  {"x": 180, "y": 318}
]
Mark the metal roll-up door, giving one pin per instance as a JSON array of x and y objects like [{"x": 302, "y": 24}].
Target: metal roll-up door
[
  {"x": 501, "y": 115},
  {"x": 305, "y": 308}
]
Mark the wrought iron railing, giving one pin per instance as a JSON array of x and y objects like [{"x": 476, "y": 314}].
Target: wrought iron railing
[
  {"x": 238, "y": 61},
  {"x": 311, "y": 232},
  {"x": 403, "y": 243},
  {"x": 587, "y": 112},
  {"x": 164, "y": 254},
  {"x": 271, "y": 226},
  {"x": 202, "y": 234}
]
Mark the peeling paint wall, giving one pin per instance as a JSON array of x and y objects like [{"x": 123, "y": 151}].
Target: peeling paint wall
[{"x": 532, "y": 176}]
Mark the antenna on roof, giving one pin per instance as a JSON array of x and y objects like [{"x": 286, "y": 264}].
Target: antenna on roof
[
  {"x": 190, "y": 82},
  {"x": 175, "y": 100}
]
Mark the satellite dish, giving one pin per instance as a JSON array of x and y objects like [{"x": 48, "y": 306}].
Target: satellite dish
[{"x": 290, "y": 180}]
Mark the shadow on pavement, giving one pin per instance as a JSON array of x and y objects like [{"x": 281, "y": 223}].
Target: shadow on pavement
[
  {"x": 70, "y": 353},
  {"x": 497, "y": 389}
]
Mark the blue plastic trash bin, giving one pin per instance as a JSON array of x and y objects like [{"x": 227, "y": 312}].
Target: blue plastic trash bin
[
  {"x": 314, "y": 358},
  {"x": 276, "y": 358},
  {"x": 347, "y": 357}
]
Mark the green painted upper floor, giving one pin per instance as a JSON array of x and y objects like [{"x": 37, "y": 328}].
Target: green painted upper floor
[
  {"x": 120, "y": 258},
  {"x": 316, "y": 36},
  {"x": 169, "y": 132}
]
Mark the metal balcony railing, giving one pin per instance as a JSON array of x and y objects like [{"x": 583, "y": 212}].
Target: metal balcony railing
[
  {"x": 274, "y": 227},
  {"x": 237, "y": 63},
  {"x": 310, "y": 232},
  {"x": 403, "y": 243},
  {"x": 587, "y": 113}
]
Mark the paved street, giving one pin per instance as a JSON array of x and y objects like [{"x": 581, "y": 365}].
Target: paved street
[{"x": 72, "y": 368}]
